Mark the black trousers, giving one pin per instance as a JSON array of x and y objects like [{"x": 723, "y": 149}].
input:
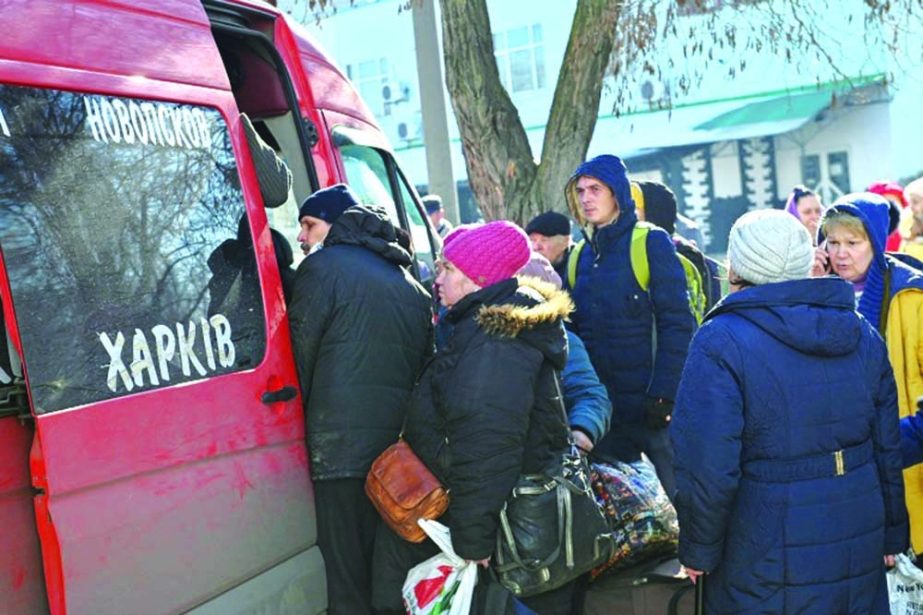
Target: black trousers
[{"x": 346, "y": 526}]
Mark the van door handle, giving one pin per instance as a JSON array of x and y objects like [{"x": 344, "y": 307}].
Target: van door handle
[{"x": 283, "y": 394}]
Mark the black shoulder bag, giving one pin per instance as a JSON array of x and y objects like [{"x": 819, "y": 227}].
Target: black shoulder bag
[{"x": 551, "y": 528}]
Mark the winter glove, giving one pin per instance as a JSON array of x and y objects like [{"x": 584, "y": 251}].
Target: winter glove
[{"x": 657, "y": 412}]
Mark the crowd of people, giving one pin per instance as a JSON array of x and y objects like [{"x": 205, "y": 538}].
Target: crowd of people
[{"x": 771, "y": 415}]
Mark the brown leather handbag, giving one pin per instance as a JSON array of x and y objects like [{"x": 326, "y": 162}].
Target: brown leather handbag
[{"x": 403, "y": 490}]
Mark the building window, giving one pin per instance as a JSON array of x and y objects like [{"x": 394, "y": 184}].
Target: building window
[
  {"x": 838, "y": 168},
  {"x": 370, "y": 77},
  {"x": 831, "y": 180},
  {"x": 520, "y": 57}
]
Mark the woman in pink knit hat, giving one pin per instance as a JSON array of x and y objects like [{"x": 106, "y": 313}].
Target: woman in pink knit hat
[{"x": 485, "y": 410}]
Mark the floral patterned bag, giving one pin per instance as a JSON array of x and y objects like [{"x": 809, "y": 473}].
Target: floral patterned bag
[{"x": 642, "y": 519}]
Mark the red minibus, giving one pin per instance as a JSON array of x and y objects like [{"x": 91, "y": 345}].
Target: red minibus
[{"x": 152, "y": 445}]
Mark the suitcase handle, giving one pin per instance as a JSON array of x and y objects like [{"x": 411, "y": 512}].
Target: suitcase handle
[
  {"x": 700, "y": 595},
  {"x": 673, "y": 606}
]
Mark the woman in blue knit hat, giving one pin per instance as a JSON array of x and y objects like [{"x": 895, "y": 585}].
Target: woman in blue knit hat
[{"x": 889, "y": 293}]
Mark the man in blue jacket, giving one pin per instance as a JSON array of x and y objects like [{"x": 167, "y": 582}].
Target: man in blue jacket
[
  {"x": 586, "y": 401},
  {"x": 637, "y": 339}
]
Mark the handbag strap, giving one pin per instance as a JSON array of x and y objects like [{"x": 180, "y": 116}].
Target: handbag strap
[
  {"x": 564, "y": 508},
  {"x": 557, "y": 387}
]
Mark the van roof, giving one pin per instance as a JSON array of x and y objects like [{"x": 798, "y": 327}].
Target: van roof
[
  {"x": 168, "y": 40},
  {"x": 330, "y": 88},
  {"x": 164, "y": 40}
]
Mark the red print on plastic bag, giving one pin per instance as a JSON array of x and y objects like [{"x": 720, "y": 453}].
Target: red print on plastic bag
[{"x": 428, "y": 590}]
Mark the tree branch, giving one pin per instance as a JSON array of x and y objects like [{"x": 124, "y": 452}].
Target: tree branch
[{"x": 575, "y": 107}]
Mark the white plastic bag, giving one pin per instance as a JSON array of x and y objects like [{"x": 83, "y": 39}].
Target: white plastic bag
[
  {"x": 443, "y": 584},
  {"x": 905, "y": 587}
]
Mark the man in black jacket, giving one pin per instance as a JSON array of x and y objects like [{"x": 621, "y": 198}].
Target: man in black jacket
[{"x": 362, "y": 328}]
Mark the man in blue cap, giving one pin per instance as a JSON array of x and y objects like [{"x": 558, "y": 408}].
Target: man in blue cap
[
  {"x": 319, "y": 211},
  {"x": 637, "y": 332},
  {"x": 361, "y": 331}
]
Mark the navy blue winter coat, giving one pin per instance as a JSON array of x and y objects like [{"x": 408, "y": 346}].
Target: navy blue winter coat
[
  {"x": 616, "y": 319},
  {"x": 361, "y": 330},
  {"x": 787, "y": 454}
]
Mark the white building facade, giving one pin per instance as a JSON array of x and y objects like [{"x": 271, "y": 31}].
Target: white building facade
[{"x": 727, "y": 146}]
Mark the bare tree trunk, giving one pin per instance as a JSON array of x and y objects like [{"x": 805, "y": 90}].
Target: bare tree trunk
[
  {"x": 497, "y": 154},
  {"x": 502, "y": 171},
  {"x": 575, "y": 107}
]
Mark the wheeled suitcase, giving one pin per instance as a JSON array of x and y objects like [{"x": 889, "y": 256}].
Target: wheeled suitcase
[{"x": 653, "y": 588}]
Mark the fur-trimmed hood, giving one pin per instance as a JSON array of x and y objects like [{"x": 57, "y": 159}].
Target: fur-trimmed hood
[
  {"x": 527, "y": 309},
  {"x": 533, "y": 304}
]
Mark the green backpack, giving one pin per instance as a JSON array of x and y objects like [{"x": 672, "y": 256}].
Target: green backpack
[{"x": 695, "y": 288}]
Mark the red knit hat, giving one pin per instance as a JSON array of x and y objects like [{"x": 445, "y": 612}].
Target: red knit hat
[
  {"x": 488, "y": 253},
  {"x": 889, "y": 188}
]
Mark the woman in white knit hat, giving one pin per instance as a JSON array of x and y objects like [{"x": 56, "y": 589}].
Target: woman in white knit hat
[{"x": 788, "y": 468}]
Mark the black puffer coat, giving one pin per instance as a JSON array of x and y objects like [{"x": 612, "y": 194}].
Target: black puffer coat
[
  {"x": 486, "y": 409},
  {"x": 362, "y": 329}
]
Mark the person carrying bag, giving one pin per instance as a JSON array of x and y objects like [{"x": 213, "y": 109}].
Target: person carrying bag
[
  {"x": 552, "y": 528},
  {"x": 486, "y": 410},
  {"x": 404, "y": 491}
]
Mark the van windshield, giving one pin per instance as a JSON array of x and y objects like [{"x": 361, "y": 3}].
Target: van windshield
[{"x": 128, "y": 251}]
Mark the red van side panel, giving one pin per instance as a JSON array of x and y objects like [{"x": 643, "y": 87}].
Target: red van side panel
[
  {"x": 160, "y": 39},
  {"x": 199, "y": 486},
  {"x": 22, "y": 586},
  {"x": 157, "y": 501},
  {"x": 332, "y": 90}
]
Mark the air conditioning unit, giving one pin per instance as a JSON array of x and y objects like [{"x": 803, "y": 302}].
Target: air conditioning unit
[
  {"x": 394, "y": 93},
  {"x": 409, "y": 126}
]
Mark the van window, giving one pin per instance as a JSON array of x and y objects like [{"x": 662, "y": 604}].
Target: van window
[
  {"x": 419, "y": 231},
  {"x": 126, "y": 243},
  {"x": 367, "y": 173},
  {"x": 368, "y": 178}
]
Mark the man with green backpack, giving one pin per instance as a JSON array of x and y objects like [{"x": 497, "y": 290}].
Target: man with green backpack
[
  {"x": 655, "y": 203},
  {"x": 636, "y": 320}
]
